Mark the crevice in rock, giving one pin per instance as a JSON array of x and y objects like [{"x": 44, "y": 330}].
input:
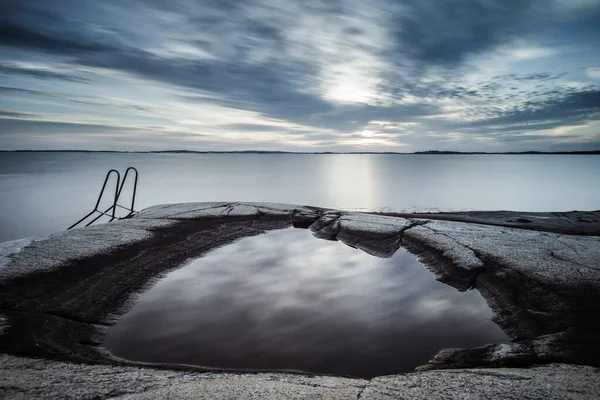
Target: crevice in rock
[
  {"x": 558, "y": 239},
  {"x": 413, "y": 223},
  {"x": 443, "y": 267},
  {"x": 229, "y": 208},
  {"x": 332, "y": 223},
  {"x": 564, "y": 218},
  {"x": 474, "y": 278},
  {"x": 194, "y": 210},
  {"x": 259, "y": 214},
  {"x": 361, "y": 391}
]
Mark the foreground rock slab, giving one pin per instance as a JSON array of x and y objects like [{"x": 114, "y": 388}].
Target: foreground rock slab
[
  {"x": 26, "y": 378},
  {"x": 554, "y": 381}
]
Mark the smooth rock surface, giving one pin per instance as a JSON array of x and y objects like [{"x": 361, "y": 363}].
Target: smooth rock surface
[
  {"x": 27, "y": 378},
  {"x": 555, "y": 381},
  {"x": 59, "y": 293},
  {"x": 570, "y": 223}
]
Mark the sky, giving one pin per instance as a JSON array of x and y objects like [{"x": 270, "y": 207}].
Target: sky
[{"x": 335, "y": 75}]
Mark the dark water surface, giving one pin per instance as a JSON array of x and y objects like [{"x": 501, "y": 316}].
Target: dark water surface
[
  {"x": 42, "y": 193},
  {"x": 285, "y": 300}
]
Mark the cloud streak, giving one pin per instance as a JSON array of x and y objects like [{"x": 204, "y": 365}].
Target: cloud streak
[{"x": 439, "y": 72}]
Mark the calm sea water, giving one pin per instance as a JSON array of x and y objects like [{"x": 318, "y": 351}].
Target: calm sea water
[
  {"x": 285, "y": 300},
  {"x": 42, "y": 193}
]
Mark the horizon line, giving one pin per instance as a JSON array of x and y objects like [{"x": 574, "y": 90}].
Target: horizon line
[{"x": 425, "y": 152}]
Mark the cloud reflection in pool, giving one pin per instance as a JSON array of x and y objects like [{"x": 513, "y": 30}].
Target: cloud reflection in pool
[{"x": 285, "y": 300}]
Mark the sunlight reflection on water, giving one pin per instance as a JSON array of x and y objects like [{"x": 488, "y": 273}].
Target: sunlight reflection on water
[{"x": 42, "y": 193}]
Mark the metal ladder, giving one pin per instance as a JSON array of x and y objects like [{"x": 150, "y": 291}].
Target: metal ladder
[{"x": 110, "y": 211}]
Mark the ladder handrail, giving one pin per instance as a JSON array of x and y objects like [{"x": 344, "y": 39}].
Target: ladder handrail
[
  {"x": 108, "y": 174},
  {"x": 120, "y": 184},
  {"x": 130, "y": 209}
]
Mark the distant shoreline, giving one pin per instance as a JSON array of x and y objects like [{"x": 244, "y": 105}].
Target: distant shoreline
[{"x": 429, "y": 152}]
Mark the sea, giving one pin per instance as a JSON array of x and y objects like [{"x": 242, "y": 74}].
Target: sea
[{"x": 45, "y": 192}]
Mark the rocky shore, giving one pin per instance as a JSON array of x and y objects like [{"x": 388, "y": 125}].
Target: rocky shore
[{"x": 539, "y": 272}]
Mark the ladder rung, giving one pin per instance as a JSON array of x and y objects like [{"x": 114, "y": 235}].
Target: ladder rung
[{"x": 103, "y": 213}]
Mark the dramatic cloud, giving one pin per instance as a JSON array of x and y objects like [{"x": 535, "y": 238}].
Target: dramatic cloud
[{"x": 340, "y": 75}]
